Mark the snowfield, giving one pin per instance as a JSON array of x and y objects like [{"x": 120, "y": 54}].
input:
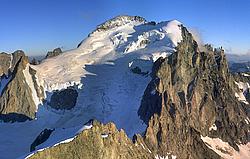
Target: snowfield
[
  {"x": 102, "y": 64},
  {"x": 243, "y": 89},
  {"x": 102, "y": 46}
]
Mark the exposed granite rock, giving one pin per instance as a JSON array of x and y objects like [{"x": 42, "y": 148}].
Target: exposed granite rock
[
  {"x": 39, "y": 89},
  {"x": 41, "y": 138},
  {"x": 5, "y": 63},
  {"x": 119, "y": 21},
  {"x": 16, "y": 102},
  {"x": 9, "y": 61},
  {"x": 64, "y": 99},
  {"x": 99, "y": 142},
  {"x": 242, "y": 77},
  {"x": 193, "y": 91},
  {"x": 53, "y": 53},
  {"x": 34, "y": 61}
]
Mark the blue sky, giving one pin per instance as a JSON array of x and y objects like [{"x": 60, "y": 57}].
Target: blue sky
[{"x": 37, "y": 26}]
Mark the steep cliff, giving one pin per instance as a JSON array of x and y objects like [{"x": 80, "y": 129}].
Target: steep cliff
[
  {"x": 192, "y": 95},
  {"x": 19, "y": 89}
]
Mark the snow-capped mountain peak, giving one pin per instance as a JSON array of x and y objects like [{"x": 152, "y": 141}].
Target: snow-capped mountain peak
[
  {"x": 120, "y": 21},
  {"x": 122, "y": 35},
  {"x": 109, "y": 71}
]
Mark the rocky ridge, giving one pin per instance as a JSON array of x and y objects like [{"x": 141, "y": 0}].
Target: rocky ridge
[
  {"x": 119, "y": 21},
  {"x": 53, "y": 53},
  {"x": 193, "y": 91},
  {"x": 16, "y": 100},
  {"x": 99, "y": 142}
]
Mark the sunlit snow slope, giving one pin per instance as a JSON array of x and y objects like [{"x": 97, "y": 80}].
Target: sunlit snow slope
[
  {"x": 101, "y": 70},
  {"x": 102, "y": 65},
  {"x": 137, "y": 37}
]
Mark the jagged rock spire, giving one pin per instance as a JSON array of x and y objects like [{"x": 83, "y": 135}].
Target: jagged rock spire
[{"x": 193, "y": 92}]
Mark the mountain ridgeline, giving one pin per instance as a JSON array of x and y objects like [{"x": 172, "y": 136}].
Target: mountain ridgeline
[
  {"x": 192, "y": 91},
  {"x": 190, "y": 105}
]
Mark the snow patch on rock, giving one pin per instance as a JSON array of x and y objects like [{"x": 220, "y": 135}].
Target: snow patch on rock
[
  {"x": 29, "y": 80},
  {"x": 104, "y": 135},
  {"x": 247, "y": 120},
  {"x": 11, "y": 59},
  {"x": 225, "y": 150},
  {"x": 213, "y": 127},
  {"x": 157, "y": 55},
  {"x": 244, "y": 87},
  {"x": 245, "y": 74},
  {"x": 166, "y": 157}
]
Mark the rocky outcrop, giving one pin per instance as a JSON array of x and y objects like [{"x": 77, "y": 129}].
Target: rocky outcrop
[
  {"x": 99, "y": 142},
  {"x": 119, "y": 21},
  {"x": 41, "y": 138},
  {"x": 64, "y": 99},
  {"x": 34, "y": 61},
  {"x": 53, "y": 53},
  {"x": 137, "y": 70},
  {"x": 193, "y": 90},
  {"x": 16, "y": 100}
]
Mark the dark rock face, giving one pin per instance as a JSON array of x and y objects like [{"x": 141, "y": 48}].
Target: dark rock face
[
  {"x": 193, "y": 91},
  {"x": 137, "y": 70},
  {"x": 41, "y": 138},
  {"x": 99, "y": 142},
  {"x": 64, "y": 99},
  {"x": 34, "y": 62},
  {"x": 16, "y": 102},
  {"x": 53, "y": 53},
  {"x": 13, "y": 117},
  {"x": 118, "y": 21}
]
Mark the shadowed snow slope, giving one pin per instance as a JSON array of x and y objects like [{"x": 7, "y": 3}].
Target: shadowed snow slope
[{"x": 102, "y": 69}]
